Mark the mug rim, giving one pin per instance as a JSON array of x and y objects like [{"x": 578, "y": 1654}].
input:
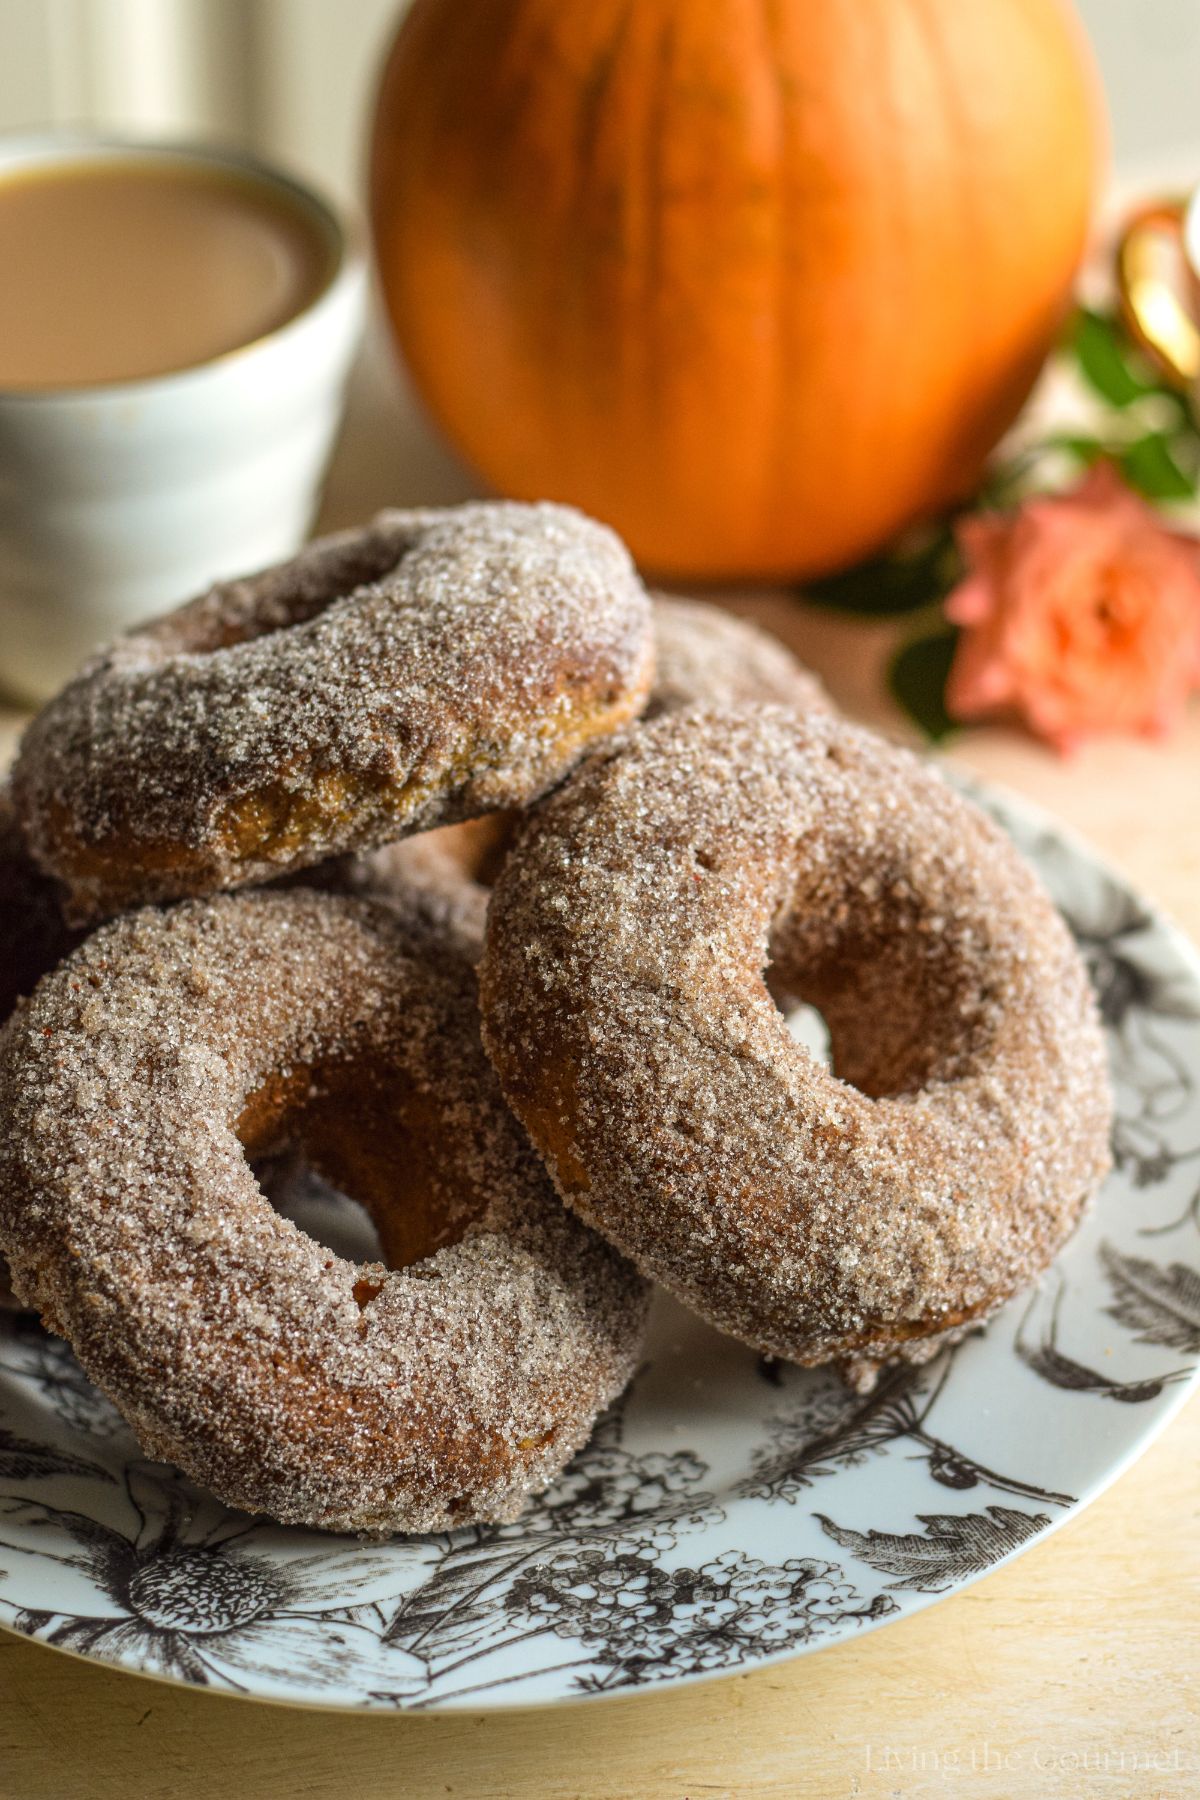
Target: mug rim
[{"x": 74, "y": 144}]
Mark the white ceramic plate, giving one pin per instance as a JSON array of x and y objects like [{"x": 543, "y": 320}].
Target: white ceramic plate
[{"x": 727, "y": 1513}]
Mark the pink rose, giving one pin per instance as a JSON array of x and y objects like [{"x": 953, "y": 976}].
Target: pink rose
[{"x": 1080, "y": 614}]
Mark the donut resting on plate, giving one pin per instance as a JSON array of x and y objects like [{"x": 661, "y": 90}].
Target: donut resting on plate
[
  {"x": 430, "y": 667},
  {"x": 858, "y": 1215},
  {"x": 442, "y": 1385}
]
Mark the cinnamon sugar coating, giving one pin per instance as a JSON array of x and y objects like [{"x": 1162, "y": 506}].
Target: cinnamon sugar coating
[
  {"x": 709, "y": 657},
  {"x": 432, "y": 666},
  {"x": 857, "y": 1217},
  {"x": 135, "y": 1084}
]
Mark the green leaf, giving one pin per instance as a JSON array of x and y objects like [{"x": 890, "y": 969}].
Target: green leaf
[
  {"x": 1152, "y": 467},
  {"x": 1107, "y": 360},
  {"x": 1084, "y": 449},
  {"x": 889, "y": 585},
  {"x": 917, "y": 679}
]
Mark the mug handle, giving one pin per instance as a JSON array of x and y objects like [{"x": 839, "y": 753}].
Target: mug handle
[{"x": 1152, "y": 303}]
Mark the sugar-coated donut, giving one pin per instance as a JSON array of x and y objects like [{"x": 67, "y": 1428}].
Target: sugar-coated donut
[
  {"x": 432, "y": 666},
  {"x": 134, "y": 1085},
  {"x": 709, "y": 657},
  {"x": 854, "y": 1217}
]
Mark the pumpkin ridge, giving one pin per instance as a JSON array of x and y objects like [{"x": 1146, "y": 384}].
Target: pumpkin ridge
[
  {"x": 593, "y": 95},
  {"x": 773, "y": 497},
  {"x": 968, "y": 269}
]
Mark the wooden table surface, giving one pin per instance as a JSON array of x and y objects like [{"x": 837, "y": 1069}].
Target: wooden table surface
[{"x": 1072, "y": 1671}]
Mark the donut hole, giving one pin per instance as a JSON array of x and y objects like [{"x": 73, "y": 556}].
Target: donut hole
[
  {"x": 323, "y": 1212},
  {"x": 805, "y": 1023},
  {"x": 279, "y": 599},
  {"x": 806, "y": 1026},
  {"x": 365, "y": 1158},
  {"x": 894, "y": 991}
]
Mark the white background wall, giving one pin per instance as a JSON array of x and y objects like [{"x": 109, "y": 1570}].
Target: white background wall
[
  {"x": 294, "y": 77},
  {"x": 291, "y": 77}
]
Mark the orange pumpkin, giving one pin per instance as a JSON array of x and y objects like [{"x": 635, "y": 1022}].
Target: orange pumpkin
[{"x": 757, "y": 281}]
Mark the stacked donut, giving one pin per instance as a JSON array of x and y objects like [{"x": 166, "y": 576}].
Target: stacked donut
[{"x": 457, "y": 869}]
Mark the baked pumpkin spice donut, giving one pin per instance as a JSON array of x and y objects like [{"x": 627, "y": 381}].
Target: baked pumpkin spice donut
[
  {"x": 862, "y": 1215},
  {"x": 436, "y": 1389},
  {"x": 708, "y": 657},
  {"x": 431, "y": 667}
]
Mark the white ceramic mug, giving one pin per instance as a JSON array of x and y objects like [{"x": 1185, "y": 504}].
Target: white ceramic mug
[{"x": 118, "y": 501}]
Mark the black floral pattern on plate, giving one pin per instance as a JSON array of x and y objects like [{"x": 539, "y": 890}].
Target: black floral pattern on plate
[
  {"x": 190, "y": 1597},
  {"x": 952, "y": 1549},
  {"x": 1160, "y": 1305},
  {"x": 1043, "y": 1355},
  {"x": 829, "y": 1428}
]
